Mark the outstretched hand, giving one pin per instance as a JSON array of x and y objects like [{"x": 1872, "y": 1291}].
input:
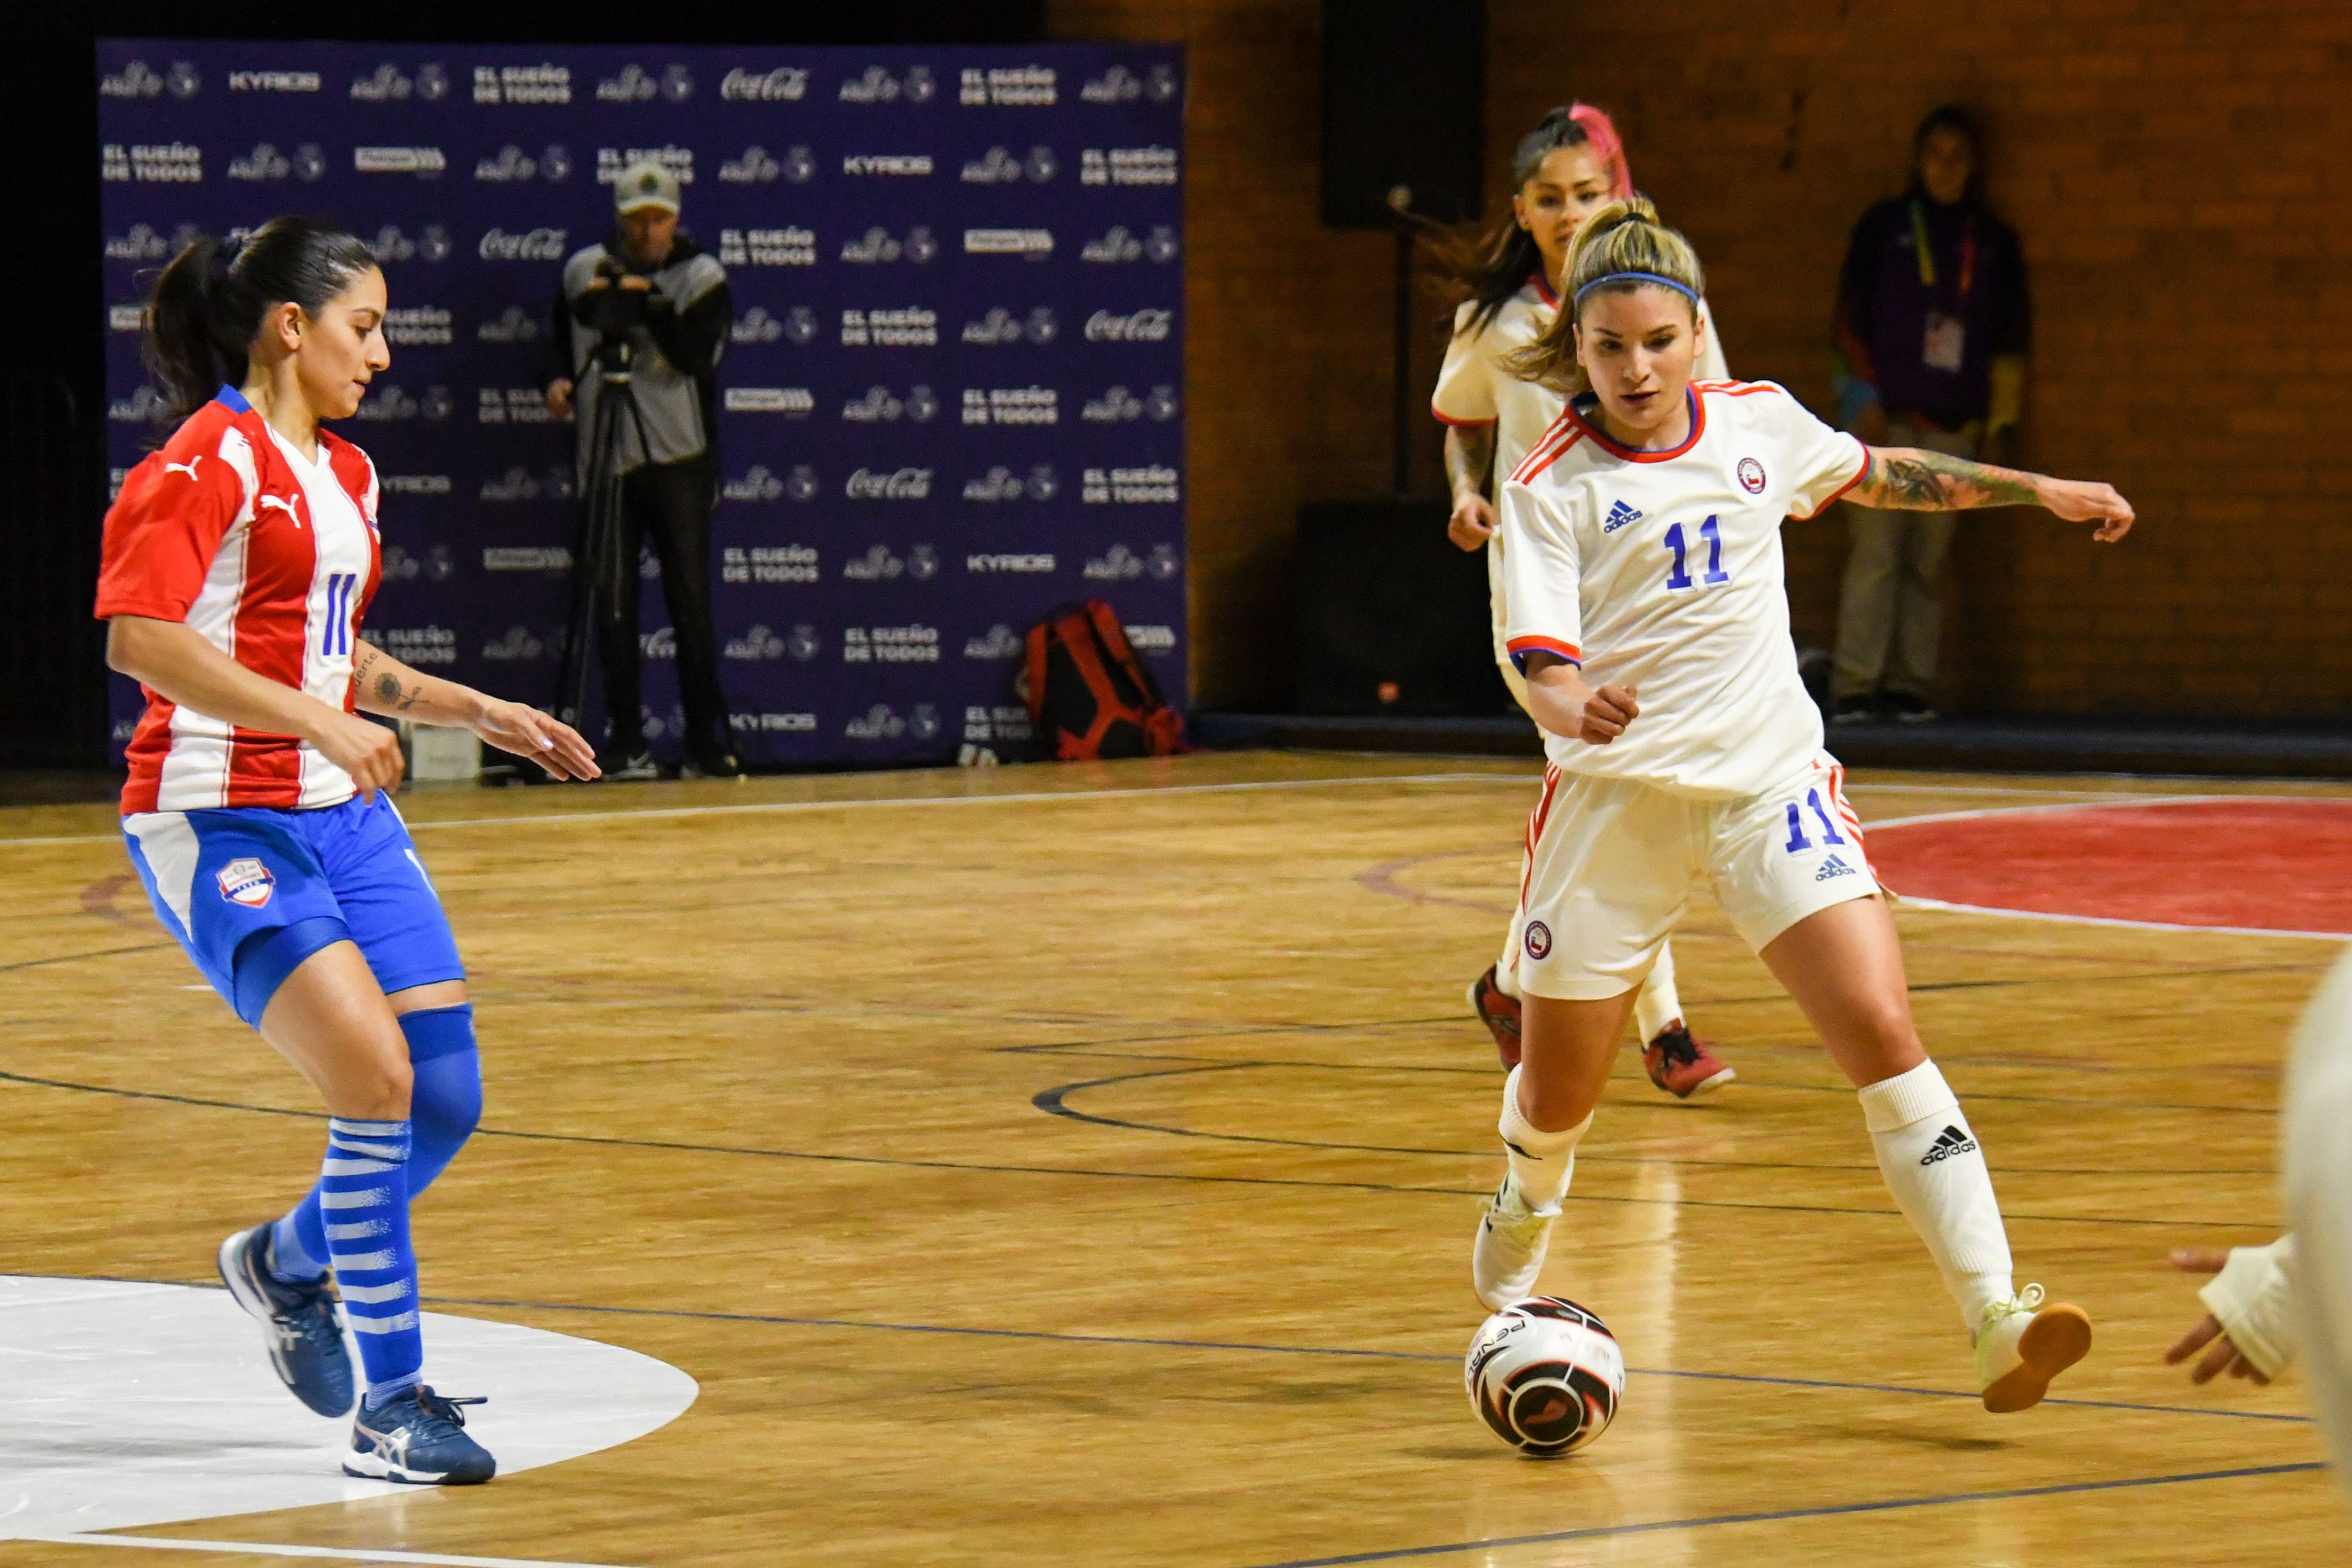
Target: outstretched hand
[
  {"x": 525, "y": 731},
  {"x": 2088, "y": 501},
  {"x": 2222, "y": 1354}
]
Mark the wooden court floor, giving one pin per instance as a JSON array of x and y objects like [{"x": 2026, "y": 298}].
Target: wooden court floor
[{"x": 1079, "y": 1166}]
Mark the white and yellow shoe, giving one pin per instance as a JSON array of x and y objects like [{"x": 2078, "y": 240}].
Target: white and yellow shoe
[
  {"x": 2022, "y": 1345},
  {"x": 1509, "y": 1251}
]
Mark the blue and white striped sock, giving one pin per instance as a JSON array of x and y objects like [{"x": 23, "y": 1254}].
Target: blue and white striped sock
[{"x": 364, "y": 1194}]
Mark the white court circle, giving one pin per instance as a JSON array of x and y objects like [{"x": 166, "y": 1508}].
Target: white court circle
[{"x": 125, "y": 1403}]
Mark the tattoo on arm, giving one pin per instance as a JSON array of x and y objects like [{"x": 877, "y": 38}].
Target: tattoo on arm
[
  {"x": 388, "y": 693},
  {"x": 1469, "y": 452},
  {"x": 367, "y": 663},
  {"x": 1908, "y": 479}
]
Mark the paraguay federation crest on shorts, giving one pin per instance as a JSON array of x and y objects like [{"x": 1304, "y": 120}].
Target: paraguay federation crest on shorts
[
  {"x": 248, "y": 882},
  {"x": 1539, "y": 939},
  {"x": 1751, "y": 476}
]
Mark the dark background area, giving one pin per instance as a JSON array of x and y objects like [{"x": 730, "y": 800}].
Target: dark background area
[
  {"x": 52, "y": 391},
  {"x": 2161, "y": 172}
]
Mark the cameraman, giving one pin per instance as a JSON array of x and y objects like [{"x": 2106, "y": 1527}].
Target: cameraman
[{"x": 651, "y": 285}]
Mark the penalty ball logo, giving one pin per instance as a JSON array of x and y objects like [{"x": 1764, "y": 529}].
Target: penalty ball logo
[
  {"x": 1751, "y": 476},
  {"x": 1539, "y": 939},
  {"x": 246, "y": 881}
]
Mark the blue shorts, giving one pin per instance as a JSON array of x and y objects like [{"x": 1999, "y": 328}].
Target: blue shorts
[{"x": 251, "y": 891}]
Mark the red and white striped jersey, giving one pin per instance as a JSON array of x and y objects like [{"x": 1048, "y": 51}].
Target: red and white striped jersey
[{"x": 272, "y": 558}]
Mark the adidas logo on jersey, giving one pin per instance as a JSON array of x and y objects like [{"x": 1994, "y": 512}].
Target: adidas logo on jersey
[
  {"x": 1950, "y": 1143},
  {"x": 1619, "y": 516},
  {"x": 1833, "y": 867}
]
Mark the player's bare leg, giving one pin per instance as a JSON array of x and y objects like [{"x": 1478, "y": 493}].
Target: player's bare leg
[
  {"x": 332, "y": 1021},
  {"x": 1843, "y": 967},
  {"x": 1568, "y": 1050}
]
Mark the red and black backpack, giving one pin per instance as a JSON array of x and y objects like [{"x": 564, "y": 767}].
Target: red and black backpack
[{"x": 1088, "y": 696}]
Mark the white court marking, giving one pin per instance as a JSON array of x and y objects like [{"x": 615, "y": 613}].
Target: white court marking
[
  {"x": 336, "y": 1553},
  {"x": 134, "y": 1403},
  {"x": 1515, "y": 781},
  {"x": 2068, "y": 800}
]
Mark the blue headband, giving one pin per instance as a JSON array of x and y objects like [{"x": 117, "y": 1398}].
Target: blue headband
[{"x": 1683, "y": 290}]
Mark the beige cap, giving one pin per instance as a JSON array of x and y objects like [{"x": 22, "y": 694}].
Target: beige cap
[{"x": 645, "y": 183}]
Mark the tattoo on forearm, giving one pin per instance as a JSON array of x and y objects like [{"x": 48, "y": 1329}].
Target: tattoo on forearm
[
  {"x": 388, "y": 693},
  {"x": 367, "y": 663},
  {"x": 1932, "y": 482},
  {"x": 1469, "y": 452}
]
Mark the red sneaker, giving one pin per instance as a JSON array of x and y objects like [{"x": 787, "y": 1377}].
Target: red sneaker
[
  {"x": 1682, "y": 1066},
  {"x": 1500, "y": 1014}
]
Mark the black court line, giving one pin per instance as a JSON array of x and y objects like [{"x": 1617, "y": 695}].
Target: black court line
[
  {"x": 1212, "y": 1065},
  {"x": 1054, "y": 1102},
  {"x": 1088, "y": 1047},
  {"x": 1181, "y": 1177},
  {"x": 78, "y": 957},
  {"x": 1706, "y": 1521},
  {"x": 1341, "y": 1352},
  {"x": 1243, "y": 1346}
]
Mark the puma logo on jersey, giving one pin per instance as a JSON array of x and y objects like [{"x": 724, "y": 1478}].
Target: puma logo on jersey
[
  {"x": 189, "y": 468},
  {"x": 1619, "y": 516},
  {"x": 283, "y": 502}
]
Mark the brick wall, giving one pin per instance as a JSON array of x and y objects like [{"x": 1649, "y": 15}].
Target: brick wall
[{"x": 2186, "y": 210}]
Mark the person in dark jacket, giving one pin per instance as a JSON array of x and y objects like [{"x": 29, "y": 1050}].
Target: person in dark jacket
[
  {"x": 667, "y": 456},
  {"x": 1933, "y": 324}
]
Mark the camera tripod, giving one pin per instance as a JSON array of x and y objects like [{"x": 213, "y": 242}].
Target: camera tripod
[{"x": 599, "y": 576}]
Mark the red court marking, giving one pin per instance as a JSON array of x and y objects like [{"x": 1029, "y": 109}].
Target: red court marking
[{"x": 2262, "y": 864}]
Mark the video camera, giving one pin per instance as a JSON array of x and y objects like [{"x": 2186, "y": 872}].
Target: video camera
[{"x": 610, "y": 306}]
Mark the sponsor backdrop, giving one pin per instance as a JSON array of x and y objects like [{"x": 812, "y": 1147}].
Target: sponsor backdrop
[{"x": 952, "y": 399}]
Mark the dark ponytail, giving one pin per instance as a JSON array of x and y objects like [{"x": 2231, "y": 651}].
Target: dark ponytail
[
  {"x": 1487, "y": 267},
  {"x": 207, "y": 305}
]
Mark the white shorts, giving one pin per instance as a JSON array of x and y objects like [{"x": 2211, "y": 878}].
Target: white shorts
[{"x": 1611, "y": 865}]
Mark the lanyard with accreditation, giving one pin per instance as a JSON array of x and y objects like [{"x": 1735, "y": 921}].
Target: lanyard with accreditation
[{"x": 1945, "y": 340}]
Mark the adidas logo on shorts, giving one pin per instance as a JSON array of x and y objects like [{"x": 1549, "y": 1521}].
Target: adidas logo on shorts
[
  {"x": 1950, "y": 1143},
  {"x": 1833, "y": 867}
]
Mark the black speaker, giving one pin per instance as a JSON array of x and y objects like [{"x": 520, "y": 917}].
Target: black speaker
[
  {"x": 1404, "y": 104},
  {"x": 1391, "y": 618}
]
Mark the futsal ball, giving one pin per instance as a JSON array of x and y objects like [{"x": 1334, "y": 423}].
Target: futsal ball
[{"x": 1546, "y": 1374}]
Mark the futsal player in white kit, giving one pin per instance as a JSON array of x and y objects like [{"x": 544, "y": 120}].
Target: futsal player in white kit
[
  {"x": 2268, "y": 1306},
  {"x": 1564, "y": 171},
  {"x": 1649, "y": 612}
]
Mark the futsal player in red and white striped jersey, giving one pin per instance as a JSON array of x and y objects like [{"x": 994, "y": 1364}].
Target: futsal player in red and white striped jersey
[
  {"x": 268, "y": 554},
  {"x": 238, "y": 562}
]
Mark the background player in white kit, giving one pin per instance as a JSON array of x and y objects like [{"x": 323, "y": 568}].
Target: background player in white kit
[
  {"x": 1649, "y": 611},
  {"x": 1565, "y": 170}
]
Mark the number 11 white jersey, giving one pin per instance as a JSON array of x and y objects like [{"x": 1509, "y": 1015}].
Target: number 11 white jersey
[{"x": 1661, "y": 571}]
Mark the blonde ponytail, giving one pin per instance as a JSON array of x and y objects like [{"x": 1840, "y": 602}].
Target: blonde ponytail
[{"x": 1623, "y": 237}]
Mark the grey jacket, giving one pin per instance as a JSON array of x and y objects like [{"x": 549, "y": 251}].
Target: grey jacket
[{"x": 676, "y": 356}]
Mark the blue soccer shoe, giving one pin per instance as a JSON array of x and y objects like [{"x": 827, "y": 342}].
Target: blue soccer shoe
[
  {"x": 301, "y": 1326},
  {"x": 418, "y": 1438}
]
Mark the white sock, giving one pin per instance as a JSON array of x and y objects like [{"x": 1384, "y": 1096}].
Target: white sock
[
  {"x": 1933, "y": 1165},
  {"x": 1541, "y": 1162},
  {"x": 1659, "y": 1004}
]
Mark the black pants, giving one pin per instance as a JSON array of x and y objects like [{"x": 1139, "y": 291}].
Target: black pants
[{"x": 672, "y": 502}]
